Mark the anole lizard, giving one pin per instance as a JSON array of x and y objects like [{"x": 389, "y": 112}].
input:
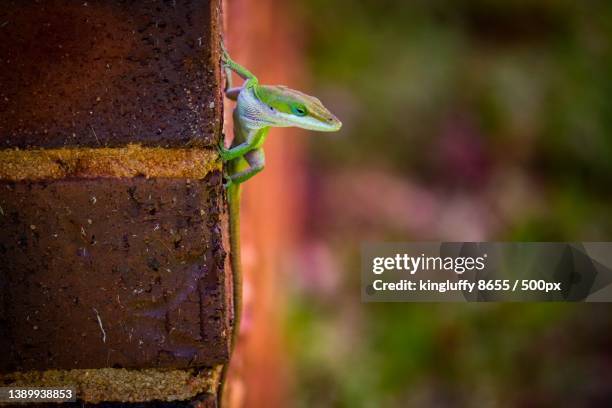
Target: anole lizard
[{"x": 258, "y": 108}]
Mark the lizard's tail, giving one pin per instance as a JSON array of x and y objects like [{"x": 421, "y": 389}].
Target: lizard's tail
[{"x": 233, "y": 198}]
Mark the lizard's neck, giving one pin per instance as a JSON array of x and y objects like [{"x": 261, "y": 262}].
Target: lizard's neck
[{"x": 253, "y": 112}]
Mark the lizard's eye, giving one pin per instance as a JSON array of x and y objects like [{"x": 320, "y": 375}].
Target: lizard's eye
[{"x": 298, "y": 110}]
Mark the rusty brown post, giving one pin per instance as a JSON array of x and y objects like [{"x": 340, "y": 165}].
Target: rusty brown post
[
  {"x": 272, "y": 217},
  {"x": 112, "y": 261}
]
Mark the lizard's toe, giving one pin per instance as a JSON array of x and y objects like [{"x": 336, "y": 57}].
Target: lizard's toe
[
  {"x": 228, "y": 181},
  {"x": 222, "y": 150}
]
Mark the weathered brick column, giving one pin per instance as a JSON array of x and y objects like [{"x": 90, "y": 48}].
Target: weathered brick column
[{"x": 111, "y": 252}]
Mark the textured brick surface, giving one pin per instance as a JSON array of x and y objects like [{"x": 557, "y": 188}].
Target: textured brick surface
[
  {"x": 129, "y": 161},
  {"x": 111, "y": 273},
  {"x": 108, "y": 73},
  {"x": 204, "y": 401},
  {"x": 124, "y": 385}
]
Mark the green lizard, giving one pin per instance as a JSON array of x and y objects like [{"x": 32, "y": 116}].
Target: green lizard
[{"x": 258, "y": 108}]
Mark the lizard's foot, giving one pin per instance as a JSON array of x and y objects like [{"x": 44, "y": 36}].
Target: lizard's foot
[
  {"x": 225, "y": 58},
  {"x": 228, "y": 181},
  {"x": 223, "y": 152}
]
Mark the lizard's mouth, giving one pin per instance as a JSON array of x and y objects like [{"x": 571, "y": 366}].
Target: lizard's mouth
[
  {"x": 329, "y": 123},
  {"x": 334, "y": 122}
]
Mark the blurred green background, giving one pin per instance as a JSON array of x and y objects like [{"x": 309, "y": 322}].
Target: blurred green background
[{"x": 463, "y": 120}]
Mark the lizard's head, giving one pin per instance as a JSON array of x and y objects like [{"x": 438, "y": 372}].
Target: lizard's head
[{"x": 289, "y": 107}]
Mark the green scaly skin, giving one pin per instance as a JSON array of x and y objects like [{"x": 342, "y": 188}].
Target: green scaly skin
[{"x": 258, "y": 108}]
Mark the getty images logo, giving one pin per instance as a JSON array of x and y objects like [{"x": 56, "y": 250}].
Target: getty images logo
[{"x": 414, "y": 264}]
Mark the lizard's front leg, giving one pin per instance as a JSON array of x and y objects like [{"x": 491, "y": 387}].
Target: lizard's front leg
[
  {"x": 234, "y": 152},
  {"x": 256, "y": 160},
  {"x": 254, "y": 140},
  {"x": 242, "y": 143}
]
